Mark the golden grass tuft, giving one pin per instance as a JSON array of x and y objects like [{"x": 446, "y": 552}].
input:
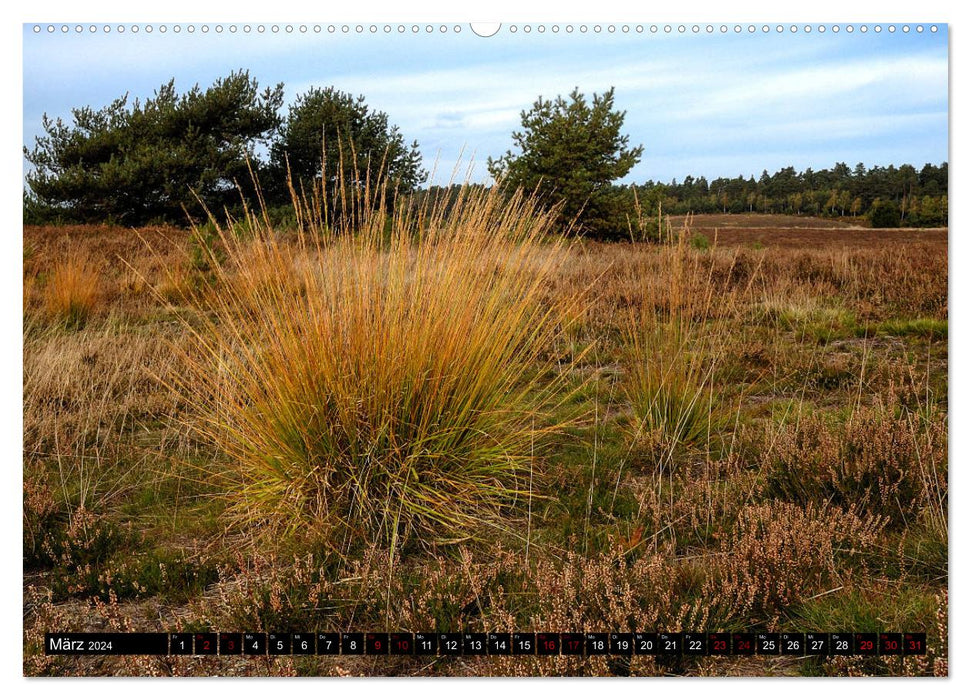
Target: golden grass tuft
[
  {"x": 370, "y": 384},
  {"x": 73, "y": 290}
]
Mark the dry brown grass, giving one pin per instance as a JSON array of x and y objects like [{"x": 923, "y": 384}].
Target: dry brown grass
[
  {"x": 73, "y": 290},
  {"x": 824, "y": 354}
]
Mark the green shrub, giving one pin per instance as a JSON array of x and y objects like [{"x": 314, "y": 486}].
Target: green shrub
[
  {"x": 700, "y": 241},
  {"x": 884, "y": 214}
]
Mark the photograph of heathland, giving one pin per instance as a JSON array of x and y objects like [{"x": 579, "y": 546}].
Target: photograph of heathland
[{"x": 532, "y": 350}]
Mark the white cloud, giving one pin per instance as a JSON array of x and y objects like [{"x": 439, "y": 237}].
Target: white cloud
[{"x": 905, "y": 79}]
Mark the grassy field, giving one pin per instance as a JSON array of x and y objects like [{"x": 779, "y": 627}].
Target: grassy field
[
  {"x": 487, "y": 429},
  {"x": 783, "y": 231}
]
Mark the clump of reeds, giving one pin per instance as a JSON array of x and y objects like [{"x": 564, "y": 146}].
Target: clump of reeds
[
  {"x": 73, "y": 289},
  {"x": 673, "y": 353},
  {"x": 377, "y": 376}
]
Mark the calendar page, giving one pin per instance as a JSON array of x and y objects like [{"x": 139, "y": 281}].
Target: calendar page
[{"x": 423, "y": 348}]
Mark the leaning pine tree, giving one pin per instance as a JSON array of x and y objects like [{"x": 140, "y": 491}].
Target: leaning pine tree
[{"x": 135, "y": 162}]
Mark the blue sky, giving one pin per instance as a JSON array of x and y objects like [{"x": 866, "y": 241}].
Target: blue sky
[{"x": 700, "y": 104}]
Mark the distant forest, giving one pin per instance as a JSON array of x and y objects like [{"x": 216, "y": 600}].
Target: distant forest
[{"x": 920, "y": 197}]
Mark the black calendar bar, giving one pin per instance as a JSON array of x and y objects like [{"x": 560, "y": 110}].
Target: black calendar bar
[
  {"x": 489, "y": 644},
  {"x": 106, "y": 643}
]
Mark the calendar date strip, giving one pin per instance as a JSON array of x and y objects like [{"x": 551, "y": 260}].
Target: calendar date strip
[{"x": 487, "y": 644}]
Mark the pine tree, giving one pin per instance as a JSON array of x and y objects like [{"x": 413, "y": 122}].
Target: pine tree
[
  {"x": 143, "y": 161},
  {"x": 360, "y": 145},
  {"x": 570, "y": 153}
]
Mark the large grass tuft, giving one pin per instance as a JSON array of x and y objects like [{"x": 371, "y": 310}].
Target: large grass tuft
[{"x": 380, "y": 380}]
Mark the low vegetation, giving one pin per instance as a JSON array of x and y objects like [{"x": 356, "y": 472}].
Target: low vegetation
[
  {"x": 455, "y": 419},
  {"x": 72, "y": 289}
]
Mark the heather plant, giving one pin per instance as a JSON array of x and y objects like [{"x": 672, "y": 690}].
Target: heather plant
[
  {"x": 885, "y": 459},
  {"x": 779, "y": 554},
  {"x": 272, "y": 594},
  {"x": 41, "y": 516}
]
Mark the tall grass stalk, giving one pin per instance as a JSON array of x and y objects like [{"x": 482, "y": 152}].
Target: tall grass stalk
[{"x": 673, "y": 354}]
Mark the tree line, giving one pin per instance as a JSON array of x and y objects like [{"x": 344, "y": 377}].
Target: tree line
[
  {"x": 175, "y": 155},
  {"x": 919, "y": 197}
]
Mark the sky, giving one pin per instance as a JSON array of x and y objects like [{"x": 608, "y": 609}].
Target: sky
[{"x": 700, "y": 104}]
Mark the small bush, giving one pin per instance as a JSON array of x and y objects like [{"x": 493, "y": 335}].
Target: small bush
[
  {"x": 126, "y": 577},
  {"x": 92, "y": 555},
  {"x": 42, "y": 520},
  {"x": 88, "y": 540},
  {"x": 779, "y": 554},
  {"x": 305, "y": 593},
  {"x": 886, "y": 460},
  {"x": 885, "y": 214},
  {"x": 700, "y": 241}
]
